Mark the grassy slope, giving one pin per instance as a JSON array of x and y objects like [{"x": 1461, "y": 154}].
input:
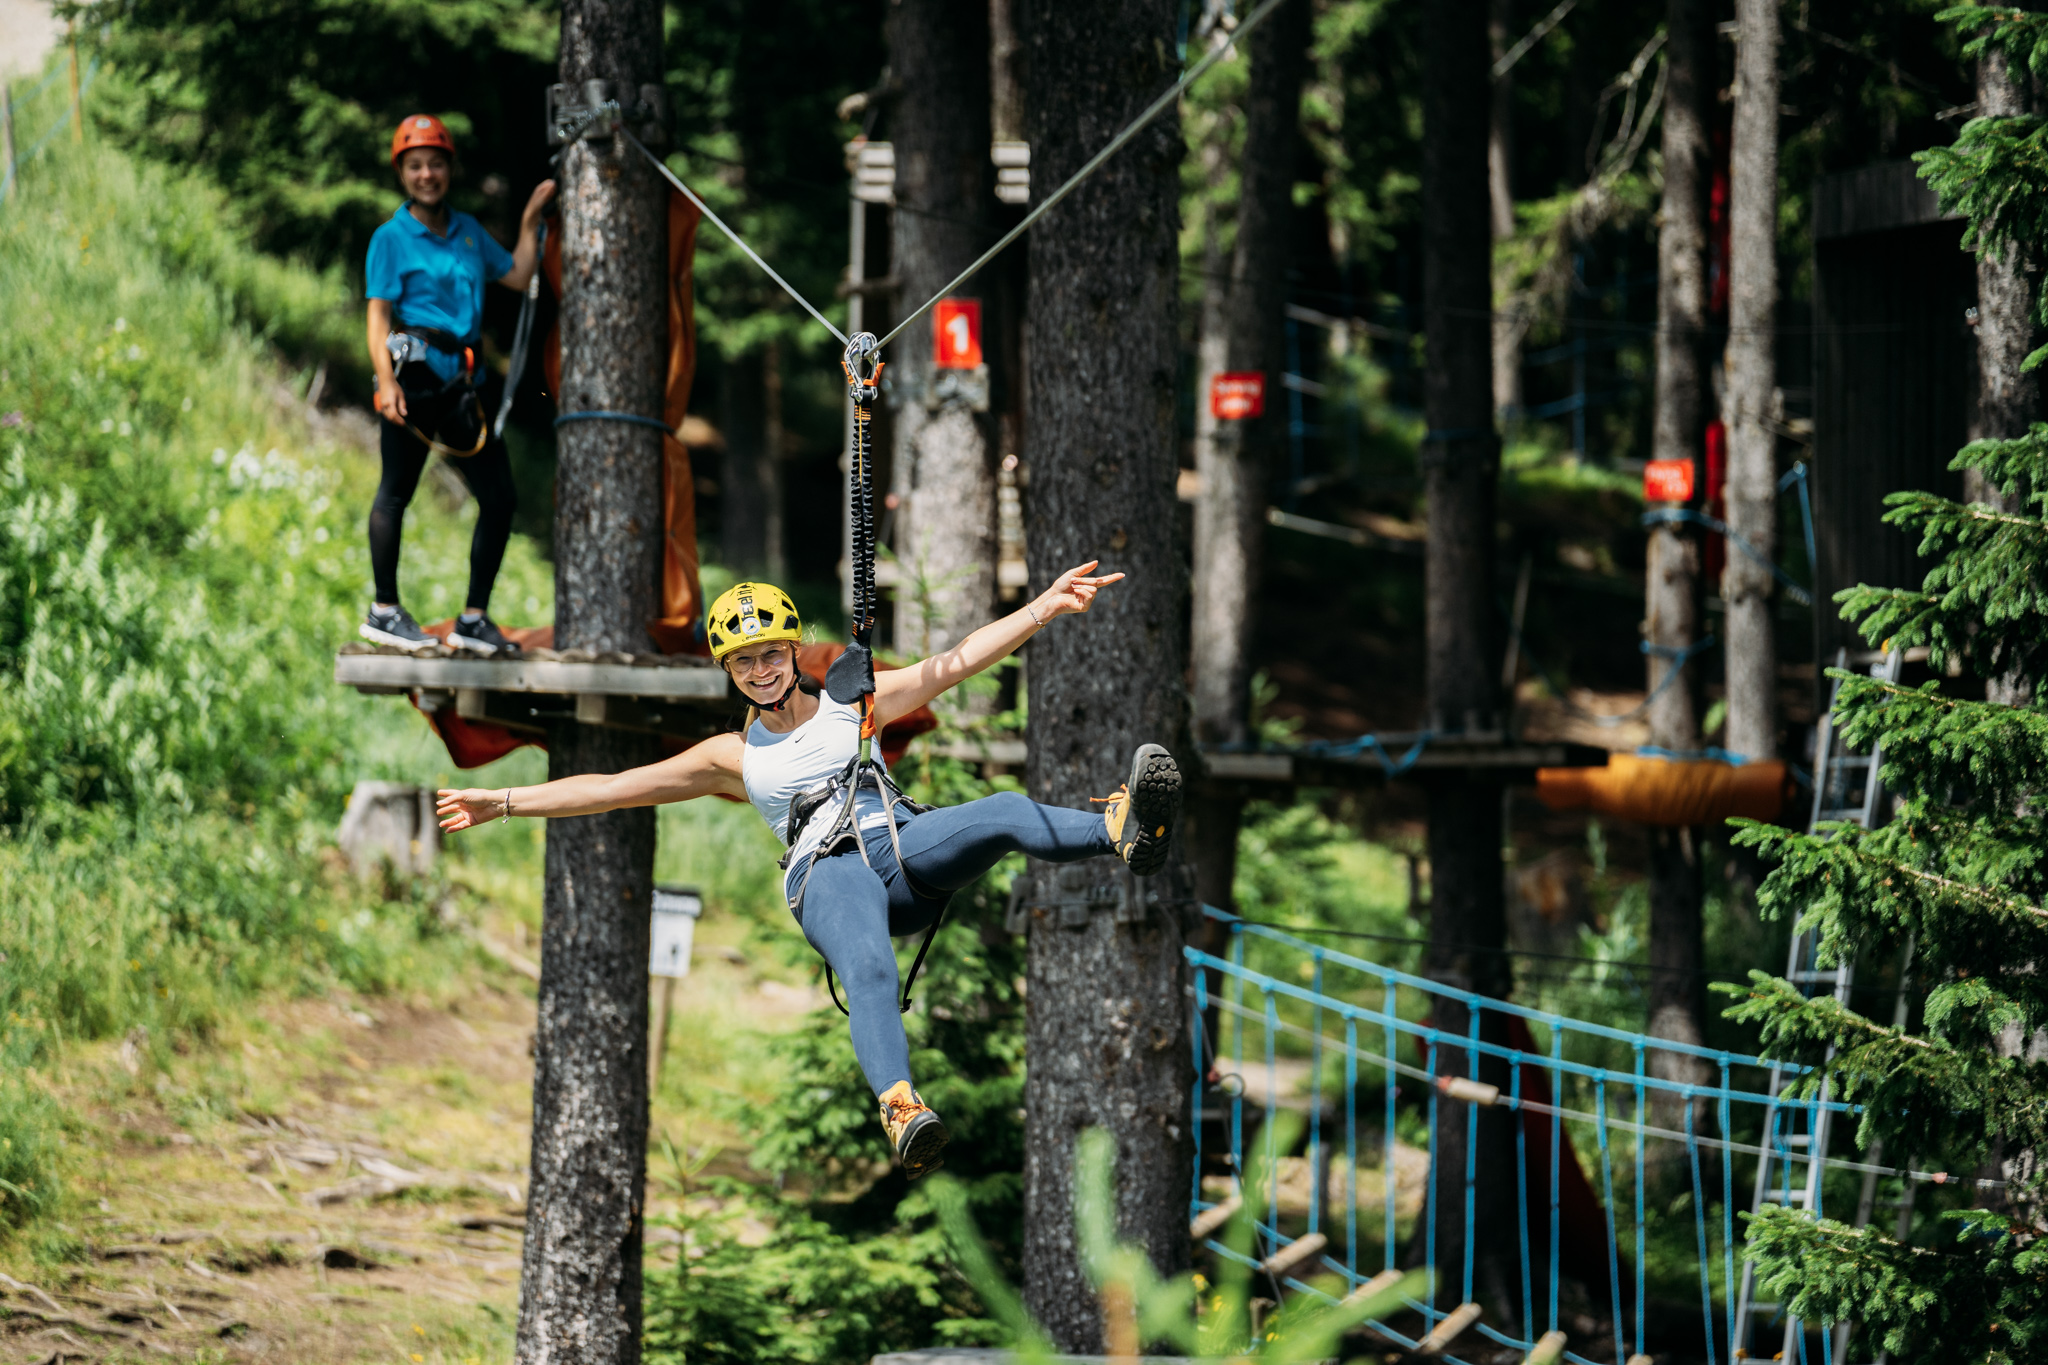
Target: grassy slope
[{"x": 178, "y": 949}]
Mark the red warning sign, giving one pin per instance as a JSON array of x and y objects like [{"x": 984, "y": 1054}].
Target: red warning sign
[
  {"x": 1667, "y": 481},
  {"x": 1236, "y": 395},
  {"x": 956, "y": 334}
]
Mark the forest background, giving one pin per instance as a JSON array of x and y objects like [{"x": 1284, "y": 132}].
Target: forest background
[{"x": 180, "y": 512}]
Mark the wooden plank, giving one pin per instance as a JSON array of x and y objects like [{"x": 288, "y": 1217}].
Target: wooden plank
[
  {"x": 1444, "y": 1333},
  {"x": 1208, "y": 1221},
  {"x": 530, "y": 675},
  {"x": 1374, "y": 1287},
  {"x": 1291, "y": 1257},
  {"x": 1549, "y": 1349}
]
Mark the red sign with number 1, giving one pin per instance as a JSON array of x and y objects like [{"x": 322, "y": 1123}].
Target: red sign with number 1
[{"x": 956, "y": 334}]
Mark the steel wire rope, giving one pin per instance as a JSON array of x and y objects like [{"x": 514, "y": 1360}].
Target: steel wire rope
[{"x": 1088, "y": 168}]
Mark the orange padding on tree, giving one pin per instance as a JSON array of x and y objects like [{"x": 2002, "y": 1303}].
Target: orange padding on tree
[
  {"x": 681, "y": 599},
  {"x": 1668, "y": 791}
]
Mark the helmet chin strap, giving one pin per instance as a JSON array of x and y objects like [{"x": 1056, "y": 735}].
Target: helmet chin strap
[{"x": 781, "y": 702}]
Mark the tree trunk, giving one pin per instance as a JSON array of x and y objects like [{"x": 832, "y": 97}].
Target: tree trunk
[
  {"x": 1106, "y": 1027},
  {"x": 1672, "y": 605},
  {"x": 1752, "y": 490},
  {"x": 580, "y": 1275},
  {"x": 1500, "y": 203},
  {"x": 2008, "y": 399},
  {"x": 1006, "y": 91},
  {"x": 1461, "y": 464},
  {"x": 942, "y": 471}
]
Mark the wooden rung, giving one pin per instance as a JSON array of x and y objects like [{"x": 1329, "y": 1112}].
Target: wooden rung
[
  {"x": 1283, "y": 1262},
  {"x": 1638, "y": 1360},
  {"x": 1472, "y": 1092},
  {"x": 1448, "y": 1331},
  {"x": 1209, "y": 1220},
  {"x": 1374, "y": 1287},
  {"x": 1548, "y": 1350}
]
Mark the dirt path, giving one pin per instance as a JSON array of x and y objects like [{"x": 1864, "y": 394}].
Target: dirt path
[{"x": 332, "y": 1180}]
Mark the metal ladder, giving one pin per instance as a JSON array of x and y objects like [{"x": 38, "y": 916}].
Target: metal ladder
[{"x": 1846, "y": 788}]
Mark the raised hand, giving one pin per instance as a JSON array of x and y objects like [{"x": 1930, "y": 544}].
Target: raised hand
[
  {"x": 467, "y": 808},
  {"x": 1072, "y": 591}
]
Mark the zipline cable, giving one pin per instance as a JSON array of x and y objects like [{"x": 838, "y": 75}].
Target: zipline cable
[
  {"x": 732, "y": 236},
  {"x": 1137, "y": 125}
]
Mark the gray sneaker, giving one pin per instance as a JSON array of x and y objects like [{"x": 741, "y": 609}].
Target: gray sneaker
[
  {"x": 394, "y": 627},
  {"x": 483, "y": 636}
]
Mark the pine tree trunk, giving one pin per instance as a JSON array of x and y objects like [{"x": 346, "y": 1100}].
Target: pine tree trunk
[
  {"x": 2008, "y": 399},
  {"x": 1672, "y": 606},
  {"x": 1107, "y": 1023},
  {"x": 1461, "y": 464},
  {"x": 580, "y": 1275},
  {"x": 1500, "y": 202},
  {"x": 942, "y": 472},
  {"x": 1752, "y": 490}
]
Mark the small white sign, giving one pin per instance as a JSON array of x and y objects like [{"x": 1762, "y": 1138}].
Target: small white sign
[{"x": 676, "y": 909}]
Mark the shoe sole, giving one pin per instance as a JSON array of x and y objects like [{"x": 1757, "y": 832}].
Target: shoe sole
[
  {"x": 923, "y": 1145},
  {"x": 457, "y": 640},
  {"x": 1155, "y": 804},
  {"x": 385, "y": 637}
]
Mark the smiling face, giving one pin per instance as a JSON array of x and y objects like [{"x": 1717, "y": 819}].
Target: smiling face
[
  {"x": 763, "y": 671},
  {"x": 425, "y": 172}
]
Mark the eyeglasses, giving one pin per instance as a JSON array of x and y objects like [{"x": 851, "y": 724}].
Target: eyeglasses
[{"x": 742, "y": 666}]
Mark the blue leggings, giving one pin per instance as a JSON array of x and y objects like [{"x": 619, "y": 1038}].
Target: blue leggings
[{"x": 851, "y": 909}]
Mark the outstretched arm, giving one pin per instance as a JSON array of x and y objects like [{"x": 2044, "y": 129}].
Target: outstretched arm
[
  {"x": 712, "y": 767},
  {"x": 900, "y": 691},
  {"x": 526, "y": 254}
]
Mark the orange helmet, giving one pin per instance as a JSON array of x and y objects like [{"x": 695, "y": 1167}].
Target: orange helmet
[{"x": 421, "y": 130}]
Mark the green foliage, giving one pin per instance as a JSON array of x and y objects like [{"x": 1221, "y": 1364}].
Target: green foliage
[
  {"x": 1958, "y": 871},
  {"x": 290, "y": 106},
  {"x": 1141, "y": 1306}
]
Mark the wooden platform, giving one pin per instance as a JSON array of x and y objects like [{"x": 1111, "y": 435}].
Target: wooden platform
[
  {"x": 679, "y": 695},
  {"x": 1492, "y": 756}
]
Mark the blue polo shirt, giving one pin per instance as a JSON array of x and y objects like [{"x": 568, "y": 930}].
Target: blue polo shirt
[{"x": 435, "y": 281}]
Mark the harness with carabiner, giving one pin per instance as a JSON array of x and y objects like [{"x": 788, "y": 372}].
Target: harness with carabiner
[{"x": 851, "y": 679}]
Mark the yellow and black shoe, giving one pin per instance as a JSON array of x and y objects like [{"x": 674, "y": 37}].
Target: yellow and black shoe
[
  {"x": 914, "y": 1130},
  {"x": 1142, "y": 813}
]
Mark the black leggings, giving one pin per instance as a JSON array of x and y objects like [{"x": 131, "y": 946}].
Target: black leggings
[{"x": 489, "y": 476}]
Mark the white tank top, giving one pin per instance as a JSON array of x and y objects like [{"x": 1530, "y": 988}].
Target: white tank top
[{"x": 776, "y": 769}]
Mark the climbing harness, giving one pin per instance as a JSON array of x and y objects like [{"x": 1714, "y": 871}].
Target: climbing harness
[{"x": 447, "y": 409}]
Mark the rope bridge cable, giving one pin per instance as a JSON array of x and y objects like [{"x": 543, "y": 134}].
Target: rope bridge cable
[
  {"x": 1615, "y": 1116},
  {"x": 605, "y": 415}
]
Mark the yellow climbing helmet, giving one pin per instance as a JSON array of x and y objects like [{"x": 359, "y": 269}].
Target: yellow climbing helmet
[{"x": 751, "y": 614}]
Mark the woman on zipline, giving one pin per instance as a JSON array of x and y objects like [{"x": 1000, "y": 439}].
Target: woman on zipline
[
  {"x": 852, "y": 879},
  {"x": 425, "y": 284}
]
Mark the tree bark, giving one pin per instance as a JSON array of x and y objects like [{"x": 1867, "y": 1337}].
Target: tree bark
[
  {"x": 1500, "y": 203},
  {"x": 1747, "y": 588},
  {"x": 943, "y": 473},
  {"x": 2008, "y": 398},
  {"x": 1672, "y": 605},
  {"x": 580, "y": 1274},
  {"x": 1461, "y": 465},
  {"x": 1106, "y": 1029}
]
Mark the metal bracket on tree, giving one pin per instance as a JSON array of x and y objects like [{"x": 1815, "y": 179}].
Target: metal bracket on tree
[{"x": 594, "y": 109}]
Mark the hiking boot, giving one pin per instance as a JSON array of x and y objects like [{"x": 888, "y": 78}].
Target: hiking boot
[
  {"x": 914, "y": 1130},
  {"x": 483, "y": 636},
  {"x": 1140, "y": 816},
  {"x": 394, "y": 626}
]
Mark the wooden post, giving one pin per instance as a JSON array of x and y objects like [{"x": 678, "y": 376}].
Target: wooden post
[
  {"x": 1752, "y": 493},
  {"x": 1461, "y": 467},
  {"x": 664, "y": 1005},
  {"x": 580, "y": 1281},
  {"x": 1671, "y": 610},
  {"x": 1106, "y": 1027},
  {"x": 77, "y": 103}
]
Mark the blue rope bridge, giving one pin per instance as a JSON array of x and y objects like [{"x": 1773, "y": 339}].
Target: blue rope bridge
[{"x": 1571, "y": 1087}]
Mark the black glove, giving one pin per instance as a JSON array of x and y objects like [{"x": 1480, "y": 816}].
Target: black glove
[{"x": 852, "y": 675}]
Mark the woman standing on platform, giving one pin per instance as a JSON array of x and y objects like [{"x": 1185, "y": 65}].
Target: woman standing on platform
[
  {"x": 425, "y": 283},
  {"x": 866, "y": 867}
]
